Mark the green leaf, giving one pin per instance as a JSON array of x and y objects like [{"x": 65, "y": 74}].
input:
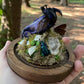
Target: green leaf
[
  {"x": 0, "y": 2},
  {"x": 1, "y": 12}
]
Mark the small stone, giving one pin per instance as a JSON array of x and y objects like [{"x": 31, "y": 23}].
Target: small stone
[{"x": 27, "y": 58}]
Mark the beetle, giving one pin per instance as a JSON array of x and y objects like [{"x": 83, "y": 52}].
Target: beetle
[
  {"x": 43, "y": 23},
  {"x": 44, "y": 49}
]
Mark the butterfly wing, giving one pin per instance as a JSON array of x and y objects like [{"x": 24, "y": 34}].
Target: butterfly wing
[{"x": 60, "y": 29}]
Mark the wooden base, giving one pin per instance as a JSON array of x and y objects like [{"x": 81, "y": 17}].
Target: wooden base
[{"x": 40, "y": 75}]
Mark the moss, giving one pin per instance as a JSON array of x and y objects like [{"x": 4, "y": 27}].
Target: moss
[
  {"x": 21, "y": 53},
  {"x": 29, "y": 34},
  {"x": 52, "y": 33},
  {"x": 37, "y": 57},
  {"x": 61, "y": 41},
  {"x": 46, "y": 39},
  {"x": 43, "y": 58},
  {"x": 38, "y": 48},
  {"x": 29, "y": 60},
  {"x": 32, "y": 38},
  {"x": 26, "y": 47}
]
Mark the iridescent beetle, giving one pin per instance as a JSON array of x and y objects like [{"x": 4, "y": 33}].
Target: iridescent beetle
[
  {"x": 41, "y": 24},
  {"x": 44, "y": 49}
]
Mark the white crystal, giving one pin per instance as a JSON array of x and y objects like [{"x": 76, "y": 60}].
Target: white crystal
[
  {"x": 28, "y": 42},
  {"x": 55, "y": 52},
  {"x": 37, "y": 37},
  {"x": 31, "y": 50},
  {"x": 21, "y": 42},
  {"x": 54, "y": 45}
]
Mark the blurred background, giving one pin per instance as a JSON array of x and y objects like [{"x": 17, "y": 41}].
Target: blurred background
[{"x": 16, "y": 14}]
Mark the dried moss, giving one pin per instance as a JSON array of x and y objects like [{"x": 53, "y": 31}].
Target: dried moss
[
  {"x": 32, "y": 38},
  {"x": 37, "y": 57}
]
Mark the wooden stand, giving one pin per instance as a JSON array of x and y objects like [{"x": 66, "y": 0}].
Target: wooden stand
[{"x": 38, "y": 74}]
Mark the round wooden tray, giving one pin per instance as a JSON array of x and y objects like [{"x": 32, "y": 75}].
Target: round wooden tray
[{"x": 40, "y": 74}]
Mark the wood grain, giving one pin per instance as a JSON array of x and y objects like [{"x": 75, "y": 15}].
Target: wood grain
[{"x": 39, "y": 75}]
